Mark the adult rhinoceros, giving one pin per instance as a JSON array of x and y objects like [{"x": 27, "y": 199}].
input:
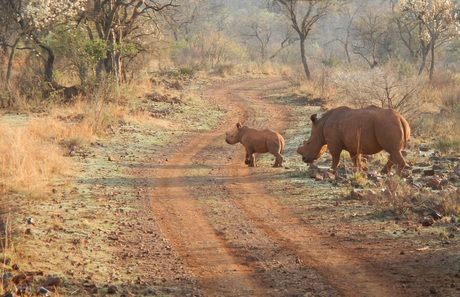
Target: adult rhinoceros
[
  {"x": 359, "y": 131},
  {"x": 257, "y": 141}
]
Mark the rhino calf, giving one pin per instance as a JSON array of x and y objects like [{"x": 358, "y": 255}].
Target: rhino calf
[
  {"x": 257, "y": 141},
  {"x": 366, "y": 130}
]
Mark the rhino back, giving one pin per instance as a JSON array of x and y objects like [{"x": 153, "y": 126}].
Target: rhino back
[
  {"x": 368, "y": 130},
  {"x": 260, "y": 140}
]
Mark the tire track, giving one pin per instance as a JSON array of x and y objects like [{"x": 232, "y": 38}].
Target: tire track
[
  {"x": 219, "y": 266},
  {"x": 313, "y": 249},
  {"x": 218, "y": 272}
]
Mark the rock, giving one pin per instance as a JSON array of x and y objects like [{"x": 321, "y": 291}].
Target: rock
[
  {"x": 427, "y": 222},
  {"x": 435, "y": 215},
  {"x": 313, "y": 167},
  {"x": 437, "y": 167},
  {"x": 417, "y": 185},
  {"x": 176, "y": 85},
  {"x": 6, "y": 260},
  {"x": 417, "y": 171},
  {"x": 330, "y": 175},
  {"x": 51, "y": 282},
  {"x": 112, "y": 289},
  {"x": 23, "y": 290},
  {"x": 319, "y": 177},
  {"x": 356, "y": 184},
  {"x": 43, "y": 291},
  {"x": 434, "y": 183},
  {"x": 428, "y": 172},
  {"x": 30, "y": 221},
  {"x": 6, "y": 277},
  {"x": 424, "y": 148},
  {"x": 457, "y": 170},
  {"x": 355, "y": 195}
]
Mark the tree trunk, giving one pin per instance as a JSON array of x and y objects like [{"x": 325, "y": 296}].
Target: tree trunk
[
  {"x": 432, "y": 59},
  {"x": 304, "y": 58},
  {"x": 9, "y": 72},
  {"x": 49, "y": 65},
  {"x": 422, "y": 65}
]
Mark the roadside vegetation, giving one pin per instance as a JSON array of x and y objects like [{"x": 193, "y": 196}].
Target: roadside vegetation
[{"x": 73, "y": 73}]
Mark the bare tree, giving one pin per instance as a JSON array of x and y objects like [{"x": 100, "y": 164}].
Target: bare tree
[
  {"x": 189, "y": 16},
  {"x": 287, "y": 39},
  {"x": 370, "y": 34},
  {"x": 304, "y": 16},
  {"x": 262, "y": 36},
  {"x": 344, "y": 38}
]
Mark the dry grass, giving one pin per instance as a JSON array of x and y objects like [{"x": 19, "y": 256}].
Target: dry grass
[
  {"x": 34, "y": 153},
  {"x": 397, "y": 196},
  {"x": 28, "y": 159}
]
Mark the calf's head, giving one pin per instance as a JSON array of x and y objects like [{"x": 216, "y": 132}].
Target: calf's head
[
  {"x": 233, "y": 136},
  {"x": 315, "y": 145}
]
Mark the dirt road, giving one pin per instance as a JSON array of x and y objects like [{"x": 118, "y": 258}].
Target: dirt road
[
  {"x": 236, "y": 237},
  {"x": 166, "y": 208}
]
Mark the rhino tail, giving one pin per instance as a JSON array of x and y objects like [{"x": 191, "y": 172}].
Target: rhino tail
[{"x": 406, "y": 129}]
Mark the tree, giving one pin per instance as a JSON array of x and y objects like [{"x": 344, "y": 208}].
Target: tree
[
  {"x": 370, "y": 36},
  {"x": 185, "y": 20},
  {"x": 258, "y": 31},
  {"x": 344, "y": 38},
  {"x": 122, "y": 26},
  {"x": 304, "y": 16},
  {"x": 30, "y": 22},
  {"x": 436, "y": 21}
]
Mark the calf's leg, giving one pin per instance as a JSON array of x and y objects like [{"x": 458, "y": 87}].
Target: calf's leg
[
  {"x": 250, "y": 157},
  {"x": 247, "y": 160}
]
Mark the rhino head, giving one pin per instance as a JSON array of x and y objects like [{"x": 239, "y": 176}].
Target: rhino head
[
  {"x": 315, "y": 145},
  {"x": 233, "y": 136}
]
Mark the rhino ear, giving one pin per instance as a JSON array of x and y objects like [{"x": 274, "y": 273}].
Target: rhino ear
[
  {"x": 314, "y": 118},
  {"x": 238, "y": 125}
]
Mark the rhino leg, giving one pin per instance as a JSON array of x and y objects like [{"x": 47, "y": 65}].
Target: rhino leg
[
  {"x": 357, "y": 162},
  {"x": 335, "y": 158},
  {"x": 278, "y": 160},
  {"x": 356, "y": 159},
  {"x": 397, "y": 159},
  {"x": 387, "y": 168},
  {"x": 250, "y": 159},
  {"x": 247, "y": 160}
]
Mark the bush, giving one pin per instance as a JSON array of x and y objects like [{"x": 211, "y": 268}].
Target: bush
[{"x": 383, "y": 87}]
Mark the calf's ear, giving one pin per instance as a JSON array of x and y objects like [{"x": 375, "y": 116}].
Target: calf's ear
[
  {"x": 314, "y": 118},
  {"x": 238, "y": 125}
]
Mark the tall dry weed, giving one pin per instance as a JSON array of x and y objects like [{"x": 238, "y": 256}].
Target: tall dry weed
[{"x": 30, "y": 155}]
